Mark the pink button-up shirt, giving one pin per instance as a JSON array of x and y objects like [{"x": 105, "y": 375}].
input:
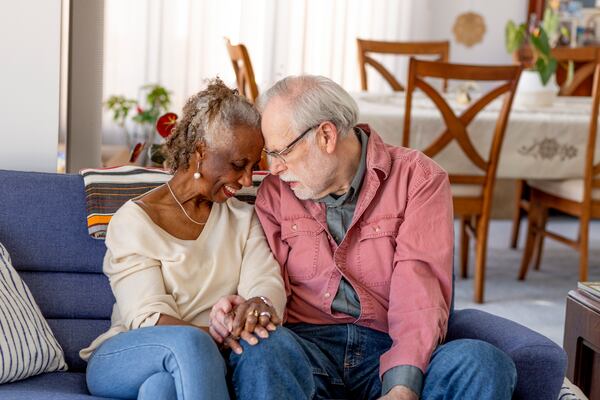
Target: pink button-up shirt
[{"x": 397, "y": 253}]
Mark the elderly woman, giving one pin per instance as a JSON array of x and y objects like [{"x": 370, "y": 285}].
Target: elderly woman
[{"x": 176, "y": 251}]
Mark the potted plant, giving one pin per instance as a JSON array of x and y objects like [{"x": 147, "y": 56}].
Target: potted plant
[
  {"x": 139, "y": 127},
  {"x": 532, "y": 46}
]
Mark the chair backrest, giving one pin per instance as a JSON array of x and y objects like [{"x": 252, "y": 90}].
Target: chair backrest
[
  {"x": 244, "y": 75},
  {"x": 368, "y": 47},
  {"x": 584, "y": 60},
  {"x": 456, "y": 125},
  {"x": 592, "y": 170},
  {"x": 242, "y": 66}
]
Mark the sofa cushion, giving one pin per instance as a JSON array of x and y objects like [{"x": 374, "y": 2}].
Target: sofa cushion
[
  {"x": 71, "y": 295},
  {"x": 51, "y": 386},
  {"x": 540, "y": 362},
  {"x": 76, "y": 334},
  {"x": 42, "y": 223},
  {"x": 27, "y": 345}
]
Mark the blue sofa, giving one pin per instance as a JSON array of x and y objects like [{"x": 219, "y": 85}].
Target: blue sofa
[{"x": 42, "y": 224}]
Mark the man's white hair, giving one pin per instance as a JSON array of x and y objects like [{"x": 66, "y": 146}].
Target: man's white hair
[{"x": 311, "y": 100}]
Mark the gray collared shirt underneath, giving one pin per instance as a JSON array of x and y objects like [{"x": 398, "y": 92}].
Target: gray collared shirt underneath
[{"x": 340, "y": 210}]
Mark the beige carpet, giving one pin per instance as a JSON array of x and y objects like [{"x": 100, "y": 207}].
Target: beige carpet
[{"x": 539, "y": 301}]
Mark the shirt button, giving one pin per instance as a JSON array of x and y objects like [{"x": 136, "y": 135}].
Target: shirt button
[
  {"x": 294, "y": 227},
  {"x": 377, "y": 229},
  {"x": 327, "y": 295}
]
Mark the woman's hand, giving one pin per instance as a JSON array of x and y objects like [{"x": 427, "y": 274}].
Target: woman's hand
[
  {"x": 233, "y": 318},
  {"x": 256, "y": 315}
]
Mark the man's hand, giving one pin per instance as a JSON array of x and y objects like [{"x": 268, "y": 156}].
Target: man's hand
[{"x": 400, "y": 393}]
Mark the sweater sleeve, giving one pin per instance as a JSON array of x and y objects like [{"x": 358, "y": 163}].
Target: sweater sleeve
[
  {"x": 260, "y": 273},
  {"x": 135, "y": 276}
]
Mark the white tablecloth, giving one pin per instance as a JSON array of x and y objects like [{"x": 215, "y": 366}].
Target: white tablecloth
[{"x": 540, "y": 143}]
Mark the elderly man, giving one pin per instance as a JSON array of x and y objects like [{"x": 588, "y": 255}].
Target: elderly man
[{"x": 363, "y": 232}]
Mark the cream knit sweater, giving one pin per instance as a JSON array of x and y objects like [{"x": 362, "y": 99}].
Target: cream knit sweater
[{"x": 152, "y": 272}]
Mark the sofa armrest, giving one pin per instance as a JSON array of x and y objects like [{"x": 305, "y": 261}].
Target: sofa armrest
[{"x": 540, "y": 362}]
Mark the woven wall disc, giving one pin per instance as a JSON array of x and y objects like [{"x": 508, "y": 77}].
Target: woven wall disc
[{"x": 469, "y": 28}]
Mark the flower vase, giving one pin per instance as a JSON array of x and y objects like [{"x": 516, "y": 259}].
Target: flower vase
[
  {"x": 143, "y": 134},
  {"x": 531, "y": 92}
]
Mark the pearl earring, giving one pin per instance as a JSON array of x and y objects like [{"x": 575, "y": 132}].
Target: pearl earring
[{"x": 197, "y": 173}]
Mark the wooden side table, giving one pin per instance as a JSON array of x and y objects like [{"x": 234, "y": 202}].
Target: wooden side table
[{"x": 582, "y": 342}]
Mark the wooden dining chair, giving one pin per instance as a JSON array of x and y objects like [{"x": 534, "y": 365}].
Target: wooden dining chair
[
  {"x": 584, "y": 61},
  {"x": 579, "y": 198},
  {"x": 472, "y": 193},
  {"x": 368, "y": 47},
  {"x": 242, "y": 66},
  {"x": 246, "y": 84}
]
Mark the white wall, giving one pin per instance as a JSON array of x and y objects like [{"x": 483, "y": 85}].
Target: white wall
[
  {"x": 434, "y": 20},
  {"x": 30, "y": 84},
  {"x": 495, "y": 14}
]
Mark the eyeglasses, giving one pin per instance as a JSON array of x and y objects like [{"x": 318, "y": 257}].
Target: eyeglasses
[{"x": 280, "y": 155}]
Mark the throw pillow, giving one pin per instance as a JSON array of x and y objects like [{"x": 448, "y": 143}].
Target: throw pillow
[
  {"x": 27, "y": 345},
  {"x": 569, "y": 391},
  {"x": 107, "y": 189}
]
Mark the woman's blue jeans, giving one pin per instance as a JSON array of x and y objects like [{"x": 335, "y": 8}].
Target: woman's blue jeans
[{"x": 162, "y": 362}]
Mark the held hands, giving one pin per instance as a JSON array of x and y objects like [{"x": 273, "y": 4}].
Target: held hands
[{"x": 233, "y": 318}]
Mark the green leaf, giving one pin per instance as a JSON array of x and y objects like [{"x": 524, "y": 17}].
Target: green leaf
[
  {"x": 541, "y": 42},
  {"x": 545, "y": 67},
  {"x": 514, "y": 36},
  {"x": 570, "y": 73},
  {"x": 550, "y": 22}
]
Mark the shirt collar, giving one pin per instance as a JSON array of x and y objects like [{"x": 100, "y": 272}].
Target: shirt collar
[{"x": 352, "y": 193}]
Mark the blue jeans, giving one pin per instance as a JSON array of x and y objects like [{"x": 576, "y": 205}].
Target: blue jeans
[
  {"x": 161, "y": 362},
  {"x": 345, "y": 365},
  {"x": 276, "y": 368}
]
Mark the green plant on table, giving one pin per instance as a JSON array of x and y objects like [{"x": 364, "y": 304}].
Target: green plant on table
[
  {"x": 539, "y": 39},
  {"x": 156, "y": 101}
]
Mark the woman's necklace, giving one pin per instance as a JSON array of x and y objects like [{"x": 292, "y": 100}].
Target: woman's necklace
[{"x": 181, "y": 206}]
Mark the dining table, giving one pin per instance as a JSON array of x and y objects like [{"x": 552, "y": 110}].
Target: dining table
[{"x": 540, "y": 142}]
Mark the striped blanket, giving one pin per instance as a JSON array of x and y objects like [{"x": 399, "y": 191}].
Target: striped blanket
[{"x": 107, "y": 189}]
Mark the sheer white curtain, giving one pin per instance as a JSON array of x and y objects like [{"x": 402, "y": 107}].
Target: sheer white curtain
[{"x": 179, "y": 43}]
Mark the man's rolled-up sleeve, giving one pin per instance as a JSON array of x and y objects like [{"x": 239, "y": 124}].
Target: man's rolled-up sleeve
[{"x": 260, "y": 273}]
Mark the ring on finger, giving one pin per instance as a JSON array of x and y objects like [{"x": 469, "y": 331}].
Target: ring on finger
[
  {"x": 253, "y": 313},
  {"x": 265, "y": 314}
]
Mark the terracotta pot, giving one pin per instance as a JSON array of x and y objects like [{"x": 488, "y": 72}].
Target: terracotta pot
[{"x": 525, "y": 56}]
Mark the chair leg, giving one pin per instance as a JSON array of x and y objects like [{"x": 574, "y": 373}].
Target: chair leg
[
  {"x": 480, "y": 258},
  {"x": 464, "y": 247},
  {"x": 532, "y": 232},
  {"x": 518, "y": 213},
  {"x": 584, "y": 232},
  {"x": 539, "y": 239}
]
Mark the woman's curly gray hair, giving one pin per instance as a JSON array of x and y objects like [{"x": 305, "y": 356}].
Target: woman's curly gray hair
[{"x": 208, "y": 116}]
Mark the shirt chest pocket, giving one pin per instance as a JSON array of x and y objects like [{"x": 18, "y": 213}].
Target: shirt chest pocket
[
  {"x": 303, "y": 236},
  {"x": 377, "y": 241}
]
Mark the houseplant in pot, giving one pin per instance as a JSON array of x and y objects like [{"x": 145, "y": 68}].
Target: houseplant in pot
[
  {"x": 532, "y": 46},
  {"x": 137, "y": 119}
]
